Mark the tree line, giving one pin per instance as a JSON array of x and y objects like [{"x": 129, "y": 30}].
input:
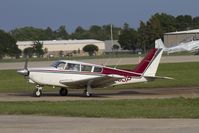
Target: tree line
[{"x": 129, "y": 38}]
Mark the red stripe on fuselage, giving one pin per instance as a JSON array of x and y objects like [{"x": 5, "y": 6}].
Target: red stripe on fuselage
[{"x": 126, "y": 73}]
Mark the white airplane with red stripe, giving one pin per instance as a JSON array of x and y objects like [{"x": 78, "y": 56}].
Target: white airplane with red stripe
[{"x": 68, "y": 74}]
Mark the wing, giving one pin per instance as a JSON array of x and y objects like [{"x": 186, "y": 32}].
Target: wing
[{"x": 100, "y": 81}]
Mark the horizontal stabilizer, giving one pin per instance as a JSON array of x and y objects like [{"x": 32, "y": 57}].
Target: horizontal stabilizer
[{"x": 158, "y": 77}]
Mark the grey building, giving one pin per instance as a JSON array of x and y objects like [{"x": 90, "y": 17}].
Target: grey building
[
  {"x": 109, "y": 45},
  {"x": 174, "y": 38}
]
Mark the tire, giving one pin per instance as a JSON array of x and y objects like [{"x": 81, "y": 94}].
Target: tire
[
  {"x": 87, "y": 94},
  {"x": 63, "y": 92},
  {"x": 37, "y": 93}
]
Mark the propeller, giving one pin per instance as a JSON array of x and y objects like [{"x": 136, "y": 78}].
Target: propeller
[{"x": 24, "y": 71}]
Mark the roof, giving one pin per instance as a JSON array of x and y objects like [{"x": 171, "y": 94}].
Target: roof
[
  {"x": 78, "y": 62},
  {"x": 66, "y": 42},
  {"x": 183, "y": 32}
]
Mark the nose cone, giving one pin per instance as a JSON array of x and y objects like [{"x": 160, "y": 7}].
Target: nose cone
[{"x": 24, "y": 72}]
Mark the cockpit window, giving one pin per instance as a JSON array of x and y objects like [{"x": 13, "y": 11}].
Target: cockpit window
[
  {"x": 59, "y": 65},
  {"x": 72, "y": 67},
  {"x": 86, "y": 68},
  {"x": 97, "y": 69}
]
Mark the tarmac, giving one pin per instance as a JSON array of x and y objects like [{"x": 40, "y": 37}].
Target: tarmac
[
  {"x": 48, "y": 124},
  {"x": 110, "y": 94}
]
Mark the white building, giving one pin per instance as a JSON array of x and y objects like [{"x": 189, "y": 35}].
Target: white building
[{"x": 54, "y": 47}]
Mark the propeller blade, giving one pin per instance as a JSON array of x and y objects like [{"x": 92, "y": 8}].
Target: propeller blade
[{"x": 24, "y": 71}]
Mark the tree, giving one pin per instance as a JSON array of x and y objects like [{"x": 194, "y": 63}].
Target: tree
[
  {"x": 142, "y": 36},
  {"x": 195, "y": 23},
  {"x": 128, "y": 38},
  {"x": 28, "y": 52},
  {"x": 167, "y": 22},
  {"x": 96, "y": 32},
  {"x": 91, "y": 49},
  {"x": 49, "y": 33},
  {"x": 115, "y": 47},
  {"x": 29, "y": 34},
  {"x": 183, "y": 22},
  {"x": 62, "y": 33},
  {"x": 80, "y": 33},
  {"x": 153, "y": 31},
  {"x": 37, "y": 48},
  {"x": 8, "y": 45},
  {"x": 61, "y": 53}
]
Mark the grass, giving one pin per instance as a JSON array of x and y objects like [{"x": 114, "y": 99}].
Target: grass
[
  {"x": 148, "y": 108},
  {"x": 185, "y": 74}
]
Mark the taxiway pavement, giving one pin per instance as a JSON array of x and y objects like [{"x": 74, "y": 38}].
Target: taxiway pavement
[
  {"x": 111, "y": 94},
  {"x": 47, "y": 124}
]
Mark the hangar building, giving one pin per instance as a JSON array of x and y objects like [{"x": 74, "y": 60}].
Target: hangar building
[
  {"x": 54, "y": 47},
  {"x": 174, "y": 38}
]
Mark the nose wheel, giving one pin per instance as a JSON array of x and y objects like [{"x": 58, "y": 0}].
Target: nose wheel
[{"x": 38, "y": 91}]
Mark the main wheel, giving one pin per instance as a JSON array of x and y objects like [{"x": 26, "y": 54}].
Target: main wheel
[
  {"x": 37, "y": 93},
  {"x": 87, "y": 93},
  {"x": 63, "y": 92}
]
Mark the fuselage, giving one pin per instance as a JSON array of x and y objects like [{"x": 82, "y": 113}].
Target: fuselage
[{"x": 54, "y": 74}]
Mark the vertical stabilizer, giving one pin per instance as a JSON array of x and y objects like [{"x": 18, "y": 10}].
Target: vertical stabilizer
[
  {"x": 153, "y": 66},
  {"x": 159, "y": 44},
  {"x": 149, "y": 65}
]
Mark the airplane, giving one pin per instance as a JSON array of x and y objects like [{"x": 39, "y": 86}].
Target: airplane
[
  {"x": 74, "y": 74},
  {"x": 188, "y": 46}
]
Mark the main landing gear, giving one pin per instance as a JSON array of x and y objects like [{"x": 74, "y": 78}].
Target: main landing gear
[
  {"x": 38, "y": 91},
  {"x": 88, "y": 90},
  {"x": 63, "y": 92}
]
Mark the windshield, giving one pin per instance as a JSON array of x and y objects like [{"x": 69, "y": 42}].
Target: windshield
[{"x": 59, "y": 65}]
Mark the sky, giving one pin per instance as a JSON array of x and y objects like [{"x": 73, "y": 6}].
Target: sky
[{"x": 73, "y": 13}]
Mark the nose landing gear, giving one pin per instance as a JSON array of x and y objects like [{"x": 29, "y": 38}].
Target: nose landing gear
[{"x": 38, "y": 91}]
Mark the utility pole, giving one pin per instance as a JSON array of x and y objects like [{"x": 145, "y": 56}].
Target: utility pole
[{"x": 111, "y": 36}]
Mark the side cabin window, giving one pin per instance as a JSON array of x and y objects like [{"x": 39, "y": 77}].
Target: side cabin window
[
  {"x": 86, "y": 68},
  {"x": 72, "y": 67},
  {"x": 59, "y": 65},
  {"x": 97, "y": 69}
]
